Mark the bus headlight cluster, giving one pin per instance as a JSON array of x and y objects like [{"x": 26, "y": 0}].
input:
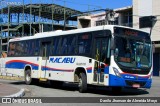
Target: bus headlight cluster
[
  {"x": 116, "y": 72},
  {"x": 150, "y": 77}
]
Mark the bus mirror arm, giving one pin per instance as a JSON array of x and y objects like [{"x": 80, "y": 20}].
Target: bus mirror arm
[{"x": 112, "y": 46}]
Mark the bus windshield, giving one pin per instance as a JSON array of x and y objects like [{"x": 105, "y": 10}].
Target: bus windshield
[{"x": 133, "y": 53}]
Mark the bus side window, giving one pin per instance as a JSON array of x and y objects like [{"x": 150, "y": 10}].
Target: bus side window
[
  {"x": 27, "y": 48},
  {"x": 32, "y": 48},
  {"x": 55, "y": 46},
  {"x": 11, "y": 49},
  {"x": 17, "y": 49},
  {"x": 43, "y": 51},
  {"x": 37, "y": 46},
  {"x": 104, "y": 51},
  {"x": 71, "y": 44},
  {"x": 84, "y": 43},
  {"x": 63, "y": 48}
]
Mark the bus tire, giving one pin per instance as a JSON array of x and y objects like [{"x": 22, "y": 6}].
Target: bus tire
[
  {"x": 28, "y": 79},
  {"x": 82, "y": 83}
]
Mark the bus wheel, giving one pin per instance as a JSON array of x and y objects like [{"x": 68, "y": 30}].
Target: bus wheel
[
  {"x": 28, "y": 78},
  {"x": 82, "y": 82}
]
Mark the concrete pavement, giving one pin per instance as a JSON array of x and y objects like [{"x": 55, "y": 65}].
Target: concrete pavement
[
  {"x": 10, "y": 91},
  {"x": 7, "y": 90}
]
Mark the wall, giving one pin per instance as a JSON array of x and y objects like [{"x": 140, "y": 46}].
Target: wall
[
  {"x": 147, "y": 8},
  {"x": 84, "y": 21},
  {"x": 135, "y": 14},
  {"x": 156, "y": 28}
]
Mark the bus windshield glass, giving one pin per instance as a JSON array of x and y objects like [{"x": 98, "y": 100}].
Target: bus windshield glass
[{"x": 133, "y": 51}]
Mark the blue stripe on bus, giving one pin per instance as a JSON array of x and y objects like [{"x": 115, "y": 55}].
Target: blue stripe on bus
[
  {"x": 89, "y": 70},
  {"x": 116, "y": 81},
  {"x": 134, "y": 76},
  {"x": 106, "y": 70},
  {"x": 20, "y": 65}
]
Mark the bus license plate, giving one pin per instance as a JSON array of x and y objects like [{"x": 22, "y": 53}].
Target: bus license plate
[{"x": 136, "y": 85}]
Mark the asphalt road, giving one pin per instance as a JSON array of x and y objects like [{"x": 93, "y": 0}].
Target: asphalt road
[{"x": 71, "y": 90}]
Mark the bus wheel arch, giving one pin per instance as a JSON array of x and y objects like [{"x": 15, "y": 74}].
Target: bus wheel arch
[
  {"x": 81, "y": 77},
  {"x": 27, "y": 75}
]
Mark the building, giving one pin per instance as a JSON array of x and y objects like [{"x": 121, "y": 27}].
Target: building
[
  {"x": 144, "y": 15},
  {"x": 120, "y": 16},
  {"x": 28, "y": 19},
  {"x": 149, "y": 11}
]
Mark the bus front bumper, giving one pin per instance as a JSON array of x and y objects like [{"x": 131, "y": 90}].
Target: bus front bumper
[{"x": 134, "y": 82}]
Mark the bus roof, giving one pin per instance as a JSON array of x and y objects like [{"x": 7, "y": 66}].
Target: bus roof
[{"x": 60, "y": 32}]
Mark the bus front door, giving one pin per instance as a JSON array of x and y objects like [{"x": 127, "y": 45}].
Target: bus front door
[
  {"x": 100, "y": 51},
  {"x": 45, "y": 50}
]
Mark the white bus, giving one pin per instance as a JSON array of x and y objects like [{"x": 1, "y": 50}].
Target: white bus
[{"x": 109, "y": 55}]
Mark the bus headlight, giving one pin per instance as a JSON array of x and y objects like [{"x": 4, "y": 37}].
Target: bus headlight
[
  {"x": 150, "y": 77},
  {"x": 116, "y": 72}
]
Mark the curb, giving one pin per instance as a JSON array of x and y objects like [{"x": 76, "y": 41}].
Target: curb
[
  {"x": 10, "y": 78},
  {"x": 21, "y": 93}
]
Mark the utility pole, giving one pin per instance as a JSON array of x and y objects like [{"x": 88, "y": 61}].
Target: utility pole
[
  {"x": 52, "y": 14},
  {"x": 23, "y": 20},
  {"x": 1, "y": 31},
  {"x": 1, "y": 42},
  {"x": 64, "y": 15},
  {"x": 30, "y": 17},
  {"x": 108, "y": 12},
  {"x": 39, "y": 15}
]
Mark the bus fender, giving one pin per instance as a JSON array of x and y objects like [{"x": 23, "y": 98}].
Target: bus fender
[
  {"x": 77, "y": 72},
  {"x": 27, "y": 66}
]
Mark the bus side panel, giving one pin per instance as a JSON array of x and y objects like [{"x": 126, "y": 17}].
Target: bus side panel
[
  {"x": 2, "y": 66},
  {"x": 113, "y": 79},
  {"x": 90, "y": 76},
  {"x": 16, "y": 65},
  {"x": 60, "y": 76},
  {"x": 62, "y": 70},
  {"x": 12, "y": 66}
]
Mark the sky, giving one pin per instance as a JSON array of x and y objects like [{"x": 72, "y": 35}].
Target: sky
[{"x": 82, "y": 5}]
